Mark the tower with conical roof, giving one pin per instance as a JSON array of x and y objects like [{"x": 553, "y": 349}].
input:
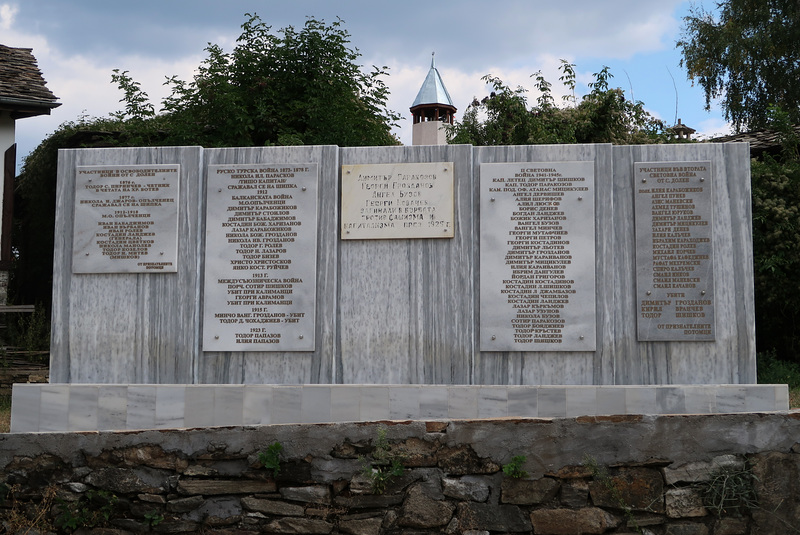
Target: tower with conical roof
[{"x": 432, "y": 109}]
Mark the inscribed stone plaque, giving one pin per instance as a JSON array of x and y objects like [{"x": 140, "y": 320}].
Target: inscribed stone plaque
[
  {"x": 674, "y": 253},
  {"x": 410, "y": 200},
  {"x": 537, "y": 254},
  {"x": 261, "y": 257},
  {"x": 126, "y": 219}
]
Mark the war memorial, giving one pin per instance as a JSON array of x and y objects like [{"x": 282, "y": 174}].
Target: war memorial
[
  {"x": 309, "y": 284},
  {"x": 243, "y": 286}
]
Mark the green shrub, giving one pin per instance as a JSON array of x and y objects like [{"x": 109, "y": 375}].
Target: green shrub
[{"x": 514, "y": 468}]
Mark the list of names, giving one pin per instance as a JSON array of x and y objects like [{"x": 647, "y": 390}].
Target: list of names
[
  {"x": 389, "y": 201},
  {"x": 261, "y": 237},
  {"x": 537, "y": 257},
  {"x": 126, "y": 219},
  {"x": 674, "y": 253}
]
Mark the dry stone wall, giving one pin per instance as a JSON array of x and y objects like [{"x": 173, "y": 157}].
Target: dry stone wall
[{"x": 631, "y": 474}]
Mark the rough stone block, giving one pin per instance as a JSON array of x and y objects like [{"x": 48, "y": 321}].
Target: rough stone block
[
  {"x": 207, "y": 487},
  {"x": 304, "y": 526},
  {"x": 184, "y": 505},
  {"x": 700, "y": 470},
  {"x": 641, "y": 489},
  {"x": 421, "y": 511},
  {"x": 574, "y": 493},
  {"x": 730, "y": 526},
  {"x": 687, "y": 529},
  {"x": 313, "y": 494},
  {"x": 528, "y": 492},
  {"x": 684, "y": 503},
  {"x": 467, "y": 488},
  {"x": 776, "y": 476},
  {"x": 487, "y": 517},
  {"x": 589, "y": 520},
  {"x": 366, "y": 526},
  {"x": 463, "y": 460},
  {"x": 272, "y": 507}
]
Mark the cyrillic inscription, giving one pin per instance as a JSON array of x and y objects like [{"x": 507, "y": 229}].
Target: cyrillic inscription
[
  {"x": 674, "y": 253},
  {"x": 261, "y": 246},
  {"x": 126, "y": 219},
  {"x": 537, "y": 257},
  {"x": 381, "y": 201}
]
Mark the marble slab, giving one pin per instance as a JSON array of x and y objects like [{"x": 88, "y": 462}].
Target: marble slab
[
  {"x": 397, "y": 201},
  {"x": 61, "y": 407},
  {"x": 674, "y": 251},
  {"x": 126, "y": 219},
  {"x": 261, "y": 250},
  {"x": 537, "y": 252}
]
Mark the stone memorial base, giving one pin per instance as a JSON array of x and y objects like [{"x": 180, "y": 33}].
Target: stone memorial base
[{"x": 95, "y": 407}]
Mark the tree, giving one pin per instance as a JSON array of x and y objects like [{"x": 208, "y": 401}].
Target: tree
[
  {"x": 291, "y": 87},
  {"x": 601, "y": 116},
  {"x": 748, "y": 55}
]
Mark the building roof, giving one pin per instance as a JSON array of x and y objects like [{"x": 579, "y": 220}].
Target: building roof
[
  {"x": 761, "y": 141},
  {"x": 433, "y": 90},
  {"x": 22, "y": 88}
]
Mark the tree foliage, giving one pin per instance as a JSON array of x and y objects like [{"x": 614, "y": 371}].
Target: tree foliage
[
  {"x": 776, "y": 244},
  {"x": 604, "y": 115},
  {"x": 292, "y": 87},
  {"x": 748, "y": 54}
]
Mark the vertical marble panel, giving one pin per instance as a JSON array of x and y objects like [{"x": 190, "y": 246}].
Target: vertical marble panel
[
  {"x": 640, "y": 400},
  {"x": 299, "y": 367},
  {"x": 403, "y": 402},
  {"x": 462, "y": 402},
  {"x": 433, "y": 402},
  {"x": 54, "y": 409},
  {"x": 760, "y": 399},
  {"x": 731, "y": 398},
  {"x": 126, "y": 328},
  {"x": 406, "y": 306},
  {"x": 552, "y": 402},
  {"x": 670, "y": 400},
  {"x": 170, "y": 406},
  {"x": 257, "y": 405},
  {"x": 345, "y": 403},
  {"x": 25, "y": 404},
  {"x": 374, "y": 403},
  {"x": 581, "y": 401},
  {"x": 228, "y": 405},
  {"x": 112, "y": 412},
  {"x": 287, "y": 404},
  {"x": 316, "y": 404},
  {"x": 83, "y": 407},
  {"x": 781, "y": 397},
  {"x": 730, "y": 358},
  {"x": 550, "y": 367},
  {"x": 199, "y": 402},
  {"x": 141, "y": 406},
  {"x": 492, "y": 402},
  {"x": 700, "y": 399},
  {"x": 610, "y": 400},
  {"x": 523, "y": 401}
]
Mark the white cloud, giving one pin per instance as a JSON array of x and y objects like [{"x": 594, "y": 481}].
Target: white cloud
[{"x": 7, "y": 14}]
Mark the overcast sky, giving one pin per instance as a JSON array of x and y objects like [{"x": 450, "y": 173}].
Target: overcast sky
[{"x": 78, "y": 42}]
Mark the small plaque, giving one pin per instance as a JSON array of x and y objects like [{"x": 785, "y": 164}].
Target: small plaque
[
  {"x": 674, "y": 251},
  {"x": 537, "y": 257},
  {"x": 261, "y": 257},
  {"x": 391, "y": 201},
  {"x": 126, "y": 219}
]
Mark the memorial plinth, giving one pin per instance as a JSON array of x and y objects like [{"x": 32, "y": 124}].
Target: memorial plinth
[{"x": 624, "y": 270}]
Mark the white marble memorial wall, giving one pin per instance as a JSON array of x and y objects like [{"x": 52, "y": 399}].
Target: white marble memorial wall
[{"x": 401, "y": 311}]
